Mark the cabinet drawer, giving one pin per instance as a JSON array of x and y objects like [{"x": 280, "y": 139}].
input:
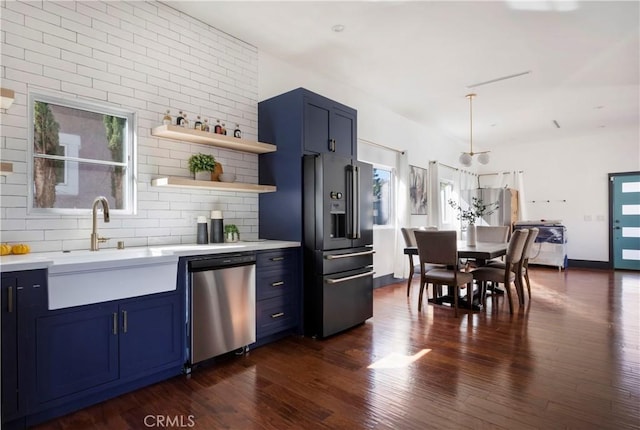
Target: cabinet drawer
[
  {"x": 274, "y": 283},
  {"x": 275, "y": 315},
  {"x": 277, "y": 259}
]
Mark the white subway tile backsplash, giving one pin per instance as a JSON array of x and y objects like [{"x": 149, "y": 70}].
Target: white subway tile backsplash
[{"x": 143, "y": 56}]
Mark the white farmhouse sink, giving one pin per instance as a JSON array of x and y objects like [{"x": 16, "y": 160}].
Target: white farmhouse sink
[{"x": 85, "y": 277}]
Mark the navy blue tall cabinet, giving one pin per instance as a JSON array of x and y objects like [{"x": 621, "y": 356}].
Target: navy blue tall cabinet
[{"x": 298, "y": 122}]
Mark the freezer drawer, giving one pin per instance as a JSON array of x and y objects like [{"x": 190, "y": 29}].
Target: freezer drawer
[{"x": 347, "y": 300}]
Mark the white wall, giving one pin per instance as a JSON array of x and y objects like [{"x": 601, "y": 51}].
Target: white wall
[
  {"x": 574, "y": 170},
  {"x": 142, "y": 56}
]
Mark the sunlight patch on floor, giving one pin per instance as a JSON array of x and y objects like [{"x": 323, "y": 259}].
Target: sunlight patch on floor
[{"x": 397, "y": 361}]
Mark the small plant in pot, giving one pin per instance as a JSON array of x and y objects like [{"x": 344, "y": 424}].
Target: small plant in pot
[
  {"x": 231, "y": 233},
  {"x": 201, "y": 165}
]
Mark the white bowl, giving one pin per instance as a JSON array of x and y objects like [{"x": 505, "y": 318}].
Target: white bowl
[{"x": 227, "y": 177}]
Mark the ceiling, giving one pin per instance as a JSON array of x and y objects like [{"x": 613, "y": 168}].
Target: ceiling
[{"x": 420, "y": 59}]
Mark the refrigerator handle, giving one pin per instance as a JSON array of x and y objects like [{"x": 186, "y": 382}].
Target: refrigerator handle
[{"x": 356, "y": 203}]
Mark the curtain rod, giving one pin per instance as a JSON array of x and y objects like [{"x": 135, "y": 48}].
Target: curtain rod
[
  {"x": 504, "y": 173},
  {"x": 454, "y": 168},
  {"x": 368, "y": 142}
]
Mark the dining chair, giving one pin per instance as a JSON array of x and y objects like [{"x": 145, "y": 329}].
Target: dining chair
[
  {"x": 490, "y": 234},
  {"x": 441, "y": 248},
  {"x": 507, "y": 274},
  {"x": 493, "y": 234},
  {"x": 408, "y": 233},
  {"x": 523, "y": 268}
]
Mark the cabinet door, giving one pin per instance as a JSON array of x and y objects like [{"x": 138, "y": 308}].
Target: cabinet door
[
  {"x": 343, "y": 132},
  {"x": 317, "y": 117},
  {"x": 9, "y": 359},
  {"x": 150, "y": 335},
  {"x": 76, "y": 350}
]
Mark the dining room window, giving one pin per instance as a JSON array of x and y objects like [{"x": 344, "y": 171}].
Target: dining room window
[
  {"x": 382, "y": 195},
  {"x": 79, "y": 150}
]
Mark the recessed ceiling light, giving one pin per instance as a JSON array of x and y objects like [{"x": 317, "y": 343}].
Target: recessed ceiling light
[
  {"x": 338, "y": 28},
  {"x": 599, "y": 107}
]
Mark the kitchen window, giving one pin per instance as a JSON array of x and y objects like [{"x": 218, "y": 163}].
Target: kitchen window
[{"x": 79, "y": 151}]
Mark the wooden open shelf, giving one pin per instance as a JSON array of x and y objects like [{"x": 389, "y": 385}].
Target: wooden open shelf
[
  {"x": 6, "y": 168},
  {"x": 180, "y": 182},
  {"x": 204, "y": 138}
]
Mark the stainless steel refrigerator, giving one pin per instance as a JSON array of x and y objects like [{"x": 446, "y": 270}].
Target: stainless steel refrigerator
[
  {"x": 506, "y": 198},
  {"x": 338, "y": 243}
]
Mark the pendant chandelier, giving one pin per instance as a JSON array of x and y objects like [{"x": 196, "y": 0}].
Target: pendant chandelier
[{"x": 467, "y": 157}]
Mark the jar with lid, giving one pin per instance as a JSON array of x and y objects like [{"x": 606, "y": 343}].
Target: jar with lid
[
  {"x": 218, "y": 127},
  {"x": 166, "y": 120},
  {"x": 198, "y": 124}
]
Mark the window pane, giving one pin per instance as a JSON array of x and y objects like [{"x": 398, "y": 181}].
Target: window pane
[
  {"x": 101, "y": 136},
  {"x": 97, "y": 180},
  {"x": 381, "y": 196}
]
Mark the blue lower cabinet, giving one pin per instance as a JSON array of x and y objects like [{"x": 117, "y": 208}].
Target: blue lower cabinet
[
  {"x": 149, "y": 335},
  {"x": 277, "y": 294},
  {"x": 91, "y": 353},
  {"x": 23, "y": 295},
  {"x": 76, "y": 350}
]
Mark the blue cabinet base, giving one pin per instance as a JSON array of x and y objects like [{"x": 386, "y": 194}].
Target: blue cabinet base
[{"x": 95, "y": 398}]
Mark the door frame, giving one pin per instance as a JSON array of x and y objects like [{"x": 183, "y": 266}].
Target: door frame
[{"x": 610, "y": 177}]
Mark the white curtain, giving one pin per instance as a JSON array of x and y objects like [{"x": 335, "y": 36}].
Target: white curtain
[
  {"x": 522, "y": 201},
  {"x": 468, "y": 180},
  {"x": 403, "y": 218}
]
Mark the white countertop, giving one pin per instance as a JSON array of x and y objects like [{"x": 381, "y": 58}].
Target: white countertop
[{"x": 60, "y": 261}]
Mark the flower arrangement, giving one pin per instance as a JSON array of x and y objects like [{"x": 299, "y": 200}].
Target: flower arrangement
[{"x": 476, "y": 210}]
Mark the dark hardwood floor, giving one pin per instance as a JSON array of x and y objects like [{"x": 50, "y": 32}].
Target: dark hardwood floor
[{"x": 569, "y": 360}]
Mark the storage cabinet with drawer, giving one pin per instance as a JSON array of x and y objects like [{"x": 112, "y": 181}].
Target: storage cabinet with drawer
[{"x": 277, "y": 294}]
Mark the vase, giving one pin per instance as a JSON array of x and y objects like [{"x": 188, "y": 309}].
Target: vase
[
  {"x": 471, "y": 235},
  {"x": 202, "y": 176}
]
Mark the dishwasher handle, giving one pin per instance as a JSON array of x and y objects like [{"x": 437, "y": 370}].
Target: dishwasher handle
[{"x": 199, "y": 264}]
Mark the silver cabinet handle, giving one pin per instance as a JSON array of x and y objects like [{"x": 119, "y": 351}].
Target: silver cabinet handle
[
  {"x": 115, "y": 323},
  {"x": 277, "y": 315},
  {"x": 353, "y": 254},
  {"x": 277, "y": 258},
  {"x": 277, "y": 284},
  {"x": 10, "y": 300},
  {"x": 124, "y": 321},
  {"x": 349, "y": 278}
]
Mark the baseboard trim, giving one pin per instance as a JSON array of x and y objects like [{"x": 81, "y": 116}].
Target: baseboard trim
[
  {"x": 590, "y": 264},
  {"x": 384, "y": 280}
]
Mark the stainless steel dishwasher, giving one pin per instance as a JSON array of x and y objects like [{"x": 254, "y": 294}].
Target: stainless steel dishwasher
[{"x": 222, "y": 304}]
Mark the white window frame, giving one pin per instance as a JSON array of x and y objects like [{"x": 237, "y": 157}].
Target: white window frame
[{"x": 130, "y": 188}]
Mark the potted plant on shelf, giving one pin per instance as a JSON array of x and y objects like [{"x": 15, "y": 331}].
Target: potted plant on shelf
[
  {"x": 476, "y": 210},
  {"x": 231, "y": 233},
  {"x": 202, "y": 165}
]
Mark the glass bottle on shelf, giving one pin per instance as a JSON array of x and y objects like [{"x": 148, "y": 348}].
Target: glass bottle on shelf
[
  {"x": 237, "y": 133},
  {"x": 218, "y": 128},
  {"x": 224, "y": 129},
  {"x": 205, "y": 126},
  {"x": 179, "y": 119},
  {"x": 185, "y": 121},
  {"x": 166, "y": 120},
  {"x": 198, "y": 124}
]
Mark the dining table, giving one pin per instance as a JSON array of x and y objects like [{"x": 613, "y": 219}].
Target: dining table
[{"x": 480, "y": 252}]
